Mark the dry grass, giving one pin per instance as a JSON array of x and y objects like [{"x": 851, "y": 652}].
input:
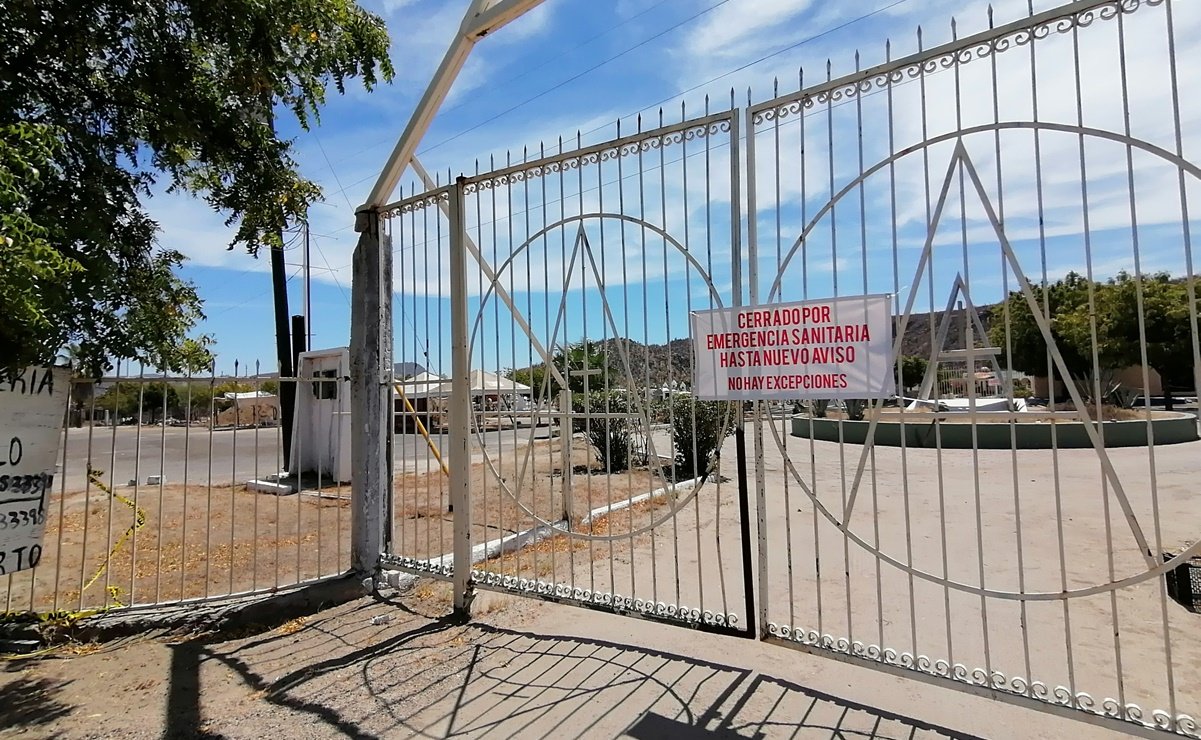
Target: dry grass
[
  {"x": 291, "y": 627},
  {"x": 434, "y": 595},
  {"x": 80, "y": 649},
  {"x": 491, "y": 603},
  {"x": 201, "y": 540},
  {"x": 511, "y": 493},
  {"x": 554, "y": 558},
  {"x": 193, "y": 542}
]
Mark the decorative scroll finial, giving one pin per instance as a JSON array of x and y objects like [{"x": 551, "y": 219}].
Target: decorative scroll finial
[{"x": 958, "y": 51}]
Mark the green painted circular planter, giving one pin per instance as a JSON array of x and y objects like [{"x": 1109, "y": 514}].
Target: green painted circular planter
[{"x": 997, "y": 436}]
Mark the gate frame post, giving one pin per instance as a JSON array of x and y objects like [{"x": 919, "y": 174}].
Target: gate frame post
[
  {"x": 370, "y": 394},
  {"x": 460, "y": 403},
  {"x": 752, "y": 293},
  {"x": 749, "y": 589},
  {"x": 566, "y": 433},
  {"x": 482, "y": 17}
]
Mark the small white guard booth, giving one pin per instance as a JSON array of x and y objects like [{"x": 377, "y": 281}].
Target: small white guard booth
[{"x": 321, "y": 433}]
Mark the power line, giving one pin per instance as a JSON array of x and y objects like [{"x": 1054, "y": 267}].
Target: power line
[
  {"x": 663, "y": 101},
  {"x": 577, "y": 76},
  {"x": 337, "y": 180},
  {"x": 764, "y": 58},
  {"x": 227, "y": 309},
  {"x": 653, "y": 167},
  {"x": 559, "y": 85},
  {"x": 526, "y": 73},
  {"x": 333, "y": 273}
]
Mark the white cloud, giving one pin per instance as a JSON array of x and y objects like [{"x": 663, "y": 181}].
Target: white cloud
[
  {"x": 391, "y": 6},
  {"x": 740, "y": 27},
  {"x": 533, "y": 23},
  {"x": 420, "y": 36},
  {"x": 733, "y": 35},
  {"x": 188, "y": 225}
]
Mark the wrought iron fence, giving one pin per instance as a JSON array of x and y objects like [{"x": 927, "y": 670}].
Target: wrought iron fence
[
  {"x": 584, "y": 451},
  {"x": 1023, "y": 194},
  {"x": 169, "y": 489},
  {"x": 1011, "y": 531}
]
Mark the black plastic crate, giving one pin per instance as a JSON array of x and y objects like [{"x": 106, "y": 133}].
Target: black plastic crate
[{"x": 1184, "y": 583}]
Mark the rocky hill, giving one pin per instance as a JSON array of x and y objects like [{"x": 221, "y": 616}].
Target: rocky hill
[{"x": 918, "y": 333}]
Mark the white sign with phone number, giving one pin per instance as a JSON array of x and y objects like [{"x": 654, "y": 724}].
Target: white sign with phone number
[{"x": 32, "y": 406}]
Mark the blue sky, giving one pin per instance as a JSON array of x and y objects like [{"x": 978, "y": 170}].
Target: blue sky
[{"x": 578, "y": 66}]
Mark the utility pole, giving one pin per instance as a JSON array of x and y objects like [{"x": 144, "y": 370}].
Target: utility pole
[
  {"x": 279, "y": 276},
  {"x": 283, "y": 348},
  {"x": 308, "y": 289},
  {"x": 283, "y": 331}
]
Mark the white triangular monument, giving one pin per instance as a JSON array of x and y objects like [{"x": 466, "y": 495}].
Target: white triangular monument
[{"x": 939, "y": 352}]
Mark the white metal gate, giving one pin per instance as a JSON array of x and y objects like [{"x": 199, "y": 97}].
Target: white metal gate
[
  {"x": 576, "y": 462},
  {"x": 994, "y": 180},
  {"x": 1018, "y": 523}
]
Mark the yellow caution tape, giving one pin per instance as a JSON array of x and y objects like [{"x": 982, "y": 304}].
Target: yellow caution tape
[
  {"x": 139, "y": 520},
  {"x": 64, "y": 617}
]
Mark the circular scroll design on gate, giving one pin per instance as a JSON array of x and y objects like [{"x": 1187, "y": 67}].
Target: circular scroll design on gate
[
  {"x": 1160, "y": 567},
  {"x": 657, "y": 468}
]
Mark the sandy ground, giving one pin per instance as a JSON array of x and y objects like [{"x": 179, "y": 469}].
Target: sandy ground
[
  {"x": 520, "y": 669},
  {"x": 511, "y": 491},
  {"x": 950, "y": 522},
  {"x": 929, "y": 530},
  {"x": 192, "y": 542},
  {"x": 200, "y": 540}
]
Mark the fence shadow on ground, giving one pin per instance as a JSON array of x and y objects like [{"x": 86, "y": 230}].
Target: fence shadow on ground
[
  {"x": 29, "y": 704},
  {"x": 424, "y": 677}
]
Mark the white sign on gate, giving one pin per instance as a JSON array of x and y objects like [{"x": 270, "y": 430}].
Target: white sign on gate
[
  {"x": 32, "y": 406},
  {"x": 836, "y": 348}
]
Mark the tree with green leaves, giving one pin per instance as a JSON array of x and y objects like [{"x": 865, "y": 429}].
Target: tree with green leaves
[
  {"x": 1016, "y": 330},
  {"x": 586, "y": 367},
  {"x": 196, "y": 400},
  {"x": 1165, "y": 328},
  {"x": 584, "y": 364},
  {"x": 533, "y": 376},
  {"x": 1126, "y": 313},
  {"x": 102, "y": 101},
  {"x": 148, "y": 401},
  {"x": 120, "y": 399},
  {"x": 160, "y": 400},
  {"x": 698, "y": 430},
  {"x": 611, "y": 439},
  {"x": 912, "y": 370}
]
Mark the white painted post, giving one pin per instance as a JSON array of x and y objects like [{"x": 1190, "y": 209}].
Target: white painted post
[
  {"x": 565, "y": 436},
  {"x": 460, "y": 404},
  {"x": 384, "y": 390},
  {"x": 370, "y": 393}
]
